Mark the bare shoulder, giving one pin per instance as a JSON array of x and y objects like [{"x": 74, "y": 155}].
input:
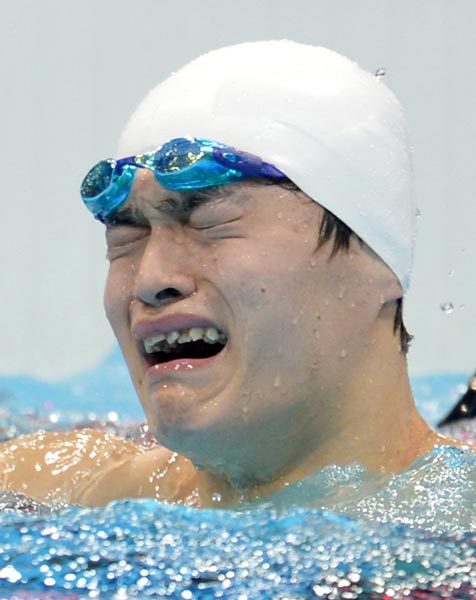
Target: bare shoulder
[
  {"x": 53, "y": 466},
  {"x": 91, "y": 467}
]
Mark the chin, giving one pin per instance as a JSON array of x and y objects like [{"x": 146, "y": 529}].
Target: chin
[{"x": 198, "y": 434}]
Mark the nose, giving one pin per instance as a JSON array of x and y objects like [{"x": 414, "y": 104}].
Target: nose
[{"x": 163, "y": 274}]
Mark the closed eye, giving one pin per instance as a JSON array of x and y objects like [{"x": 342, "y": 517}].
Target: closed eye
[
  {"x": 212, "y": 225},
  {"x": 123, "y": 236}
]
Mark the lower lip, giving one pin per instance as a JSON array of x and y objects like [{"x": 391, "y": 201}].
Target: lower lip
[{"x": 181, "y": 365}]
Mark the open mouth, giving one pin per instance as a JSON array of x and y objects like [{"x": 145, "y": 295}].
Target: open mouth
[{"x": 194, "y": 343}]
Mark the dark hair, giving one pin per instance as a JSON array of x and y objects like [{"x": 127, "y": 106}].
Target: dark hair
[{"x": 332, "y": 227}]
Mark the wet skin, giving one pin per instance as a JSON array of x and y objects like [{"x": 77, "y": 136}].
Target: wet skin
[{"x": 311, "y": 373}]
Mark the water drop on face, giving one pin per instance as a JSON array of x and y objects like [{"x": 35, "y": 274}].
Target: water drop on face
[
  {"x": 277, "y": 381},
  {"x": 343, "y": 353},
  {"x": 380, "y": 73},
  {"x": 216, "y": 497},
  {"x": 447, "y": 307}
]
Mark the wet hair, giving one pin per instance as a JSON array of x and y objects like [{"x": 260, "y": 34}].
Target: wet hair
[{"x": 332, "y": 228}]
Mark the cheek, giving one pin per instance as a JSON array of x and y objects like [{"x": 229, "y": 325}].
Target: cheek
[
  {"x": 255, "y": 268},
  {"x": 117, "y": 298}
]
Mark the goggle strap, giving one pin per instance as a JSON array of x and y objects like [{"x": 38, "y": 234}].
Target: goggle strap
[{"x": 248, "y": 164}]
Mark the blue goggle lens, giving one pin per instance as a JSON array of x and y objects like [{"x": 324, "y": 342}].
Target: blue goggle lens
[{"x": 98, "y": 179}]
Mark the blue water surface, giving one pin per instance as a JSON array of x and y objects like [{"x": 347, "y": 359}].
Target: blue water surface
[{"x": 355, "y": 535}]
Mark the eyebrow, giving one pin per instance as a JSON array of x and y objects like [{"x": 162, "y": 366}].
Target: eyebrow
[{"x": 178, "y": 207}]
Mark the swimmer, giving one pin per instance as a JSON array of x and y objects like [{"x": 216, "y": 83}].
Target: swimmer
[{"x": 260, "y": 226}]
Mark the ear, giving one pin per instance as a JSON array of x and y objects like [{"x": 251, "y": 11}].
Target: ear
[
  {"x": 383, "y": 278},
  {"x": 393, "y": 290}
]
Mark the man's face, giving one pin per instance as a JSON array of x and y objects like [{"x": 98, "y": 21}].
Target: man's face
[{"x": 245, "y": 263}]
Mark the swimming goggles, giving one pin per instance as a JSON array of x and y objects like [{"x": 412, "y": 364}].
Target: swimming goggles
[{"x": 181, "y": 164}]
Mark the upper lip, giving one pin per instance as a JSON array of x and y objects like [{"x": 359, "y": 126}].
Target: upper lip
[{"x": 144, "y": 328}]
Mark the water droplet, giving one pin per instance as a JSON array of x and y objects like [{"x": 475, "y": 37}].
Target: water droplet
[
  {"x": 277, "y": 381},
  {"x": 343, "y": 353},
  {"x": 53, "y": 417},
  {"x": 417, "y": 213},
  {"x": 317, "y": 335},
  {"x": 10, "y": 574},
  {"x": 279, "y": 215},
  {"x": 447, "y": 307},
  {"x": 216, "y": 497},
  {"x": 380, "y": 73},
  {"x": 451, "y": 273},
  {"x": 341, "y": 293},
  {"x": 313, "y": 263}
]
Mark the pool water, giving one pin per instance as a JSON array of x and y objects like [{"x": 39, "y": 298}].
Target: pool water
[{"x": 342, "y": 533}]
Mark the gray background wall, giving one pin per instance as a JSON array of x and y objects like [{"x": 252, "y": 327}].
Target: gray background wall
[{"x": 73, "y": 70}]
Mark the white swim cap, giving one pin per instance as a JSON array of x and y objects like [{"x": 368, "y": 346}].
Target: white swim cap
[{"x": 335, "y": 130}]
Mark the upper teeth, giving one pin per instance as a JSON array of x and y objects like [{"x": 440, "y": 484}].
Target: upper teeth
[{"x": 165, "y": 342}]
